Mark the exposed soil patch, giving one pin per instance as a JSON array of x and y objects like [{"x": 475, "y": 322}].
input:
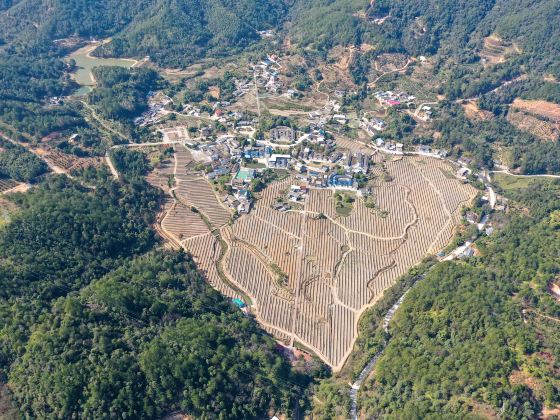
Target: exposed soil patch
[
  {"x": 542, "y": 108},
  {"x": 473, "y": 112},
  {"x": 390, "y": 62},
  {"x": 496, "y": 50},
  {"x": 545, "y": 130}
]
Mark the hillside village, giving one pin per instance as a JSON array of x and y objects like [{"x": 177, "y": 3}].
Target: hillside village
[{"x": 235, "y": 152}]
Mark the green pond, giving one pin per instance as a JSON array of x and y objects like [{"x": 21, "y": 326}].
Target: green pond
[{"x": 85, "y": 62}]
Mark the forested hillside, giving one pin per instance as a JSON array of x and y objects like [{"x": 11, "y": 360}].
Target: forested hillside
[
  {"x": 480, "y": 337},
  {"x": 172, "y": 32},
  {"x": 99, "y": 320},
  {"x": 94, "y": 323},
  {"x": 452, "y": 29}
]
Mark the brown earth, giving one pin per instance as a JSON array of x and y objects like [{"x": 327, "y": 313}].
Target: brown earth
[
  {"x": 390, "y": 62},
  {"x": 473, "y": 112},
  {"x": 496, "y": 50},
  {"x": 541, "y": 108},
  {"x": 544, "y": 130}
]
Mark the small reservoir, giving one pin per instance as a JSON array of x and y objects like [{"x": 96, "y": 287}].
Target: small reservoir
[{"x": 86, "y": 62}]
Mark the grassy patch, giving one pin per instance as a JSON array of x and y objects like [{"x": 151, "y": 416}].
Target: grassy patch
[
  {"x": 255, "y": 165},
  {"x": 286, "y": 106},
  {"x": 7, "y": 208},
  {"x": 343, "y": 210},
  {"x": 344, "y": 203},
  {"x": 511, "y": 183}
]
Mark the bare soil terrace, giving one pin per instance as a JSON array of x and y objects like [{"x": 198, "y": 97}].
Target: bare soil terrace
[{"x": 309, "y": 273}]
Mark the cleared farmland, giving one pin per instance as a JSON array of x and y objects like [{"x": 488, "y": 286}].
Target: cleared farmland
[
  {"x": 495, "y": 50},
  {"x": 7, "y": 184},
  {"x": 311, "y": 277},
  {"x": 183, "y": 223},
  {"x": 310, "y": 272},
  {"x": 193, "y": 189},
  {"x": 543, "y": 109}
]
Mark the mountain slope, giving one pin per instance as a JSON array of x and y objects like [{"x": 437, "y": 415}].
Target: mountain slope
[
  {"x": 446, "y": 27},
  {"x": 171, "y": 31},
  {"x": 174, "y": 32}
]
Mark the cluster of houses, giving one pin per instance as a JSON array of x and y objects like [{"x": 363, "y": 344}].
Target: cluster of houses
[
  {"x": 425, "y": 113},
  {"x": 389, "y": 146},
  {"x": 331, "y": 112},
  {"x": 55, "y": 100},
  {"x": 191, "y": 110},
  {"x": 267, "y": 74},
  {"x": 429, "y": 151},
  {"x": 398, "y": 149},
  {"x": 336, "y": 170},
  {"x": 220, "y": 161},
  {"x": 372, "y": 125},
  {"x": 233, "y": 120},
  {"x": 282, "y": 134},
  {"x": 240, "y": 198},
  {"x": 156, "y": 109},
  {"x": 390, "y": 98},
  {"x": 296, "y": 194},
  {"x": 323, "y": 168},
  {"x": 242, "y": 87}
]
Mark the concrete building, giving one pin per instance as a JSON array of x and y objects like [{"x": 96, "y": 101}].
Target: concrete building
[{"x": 282, "y": 135}]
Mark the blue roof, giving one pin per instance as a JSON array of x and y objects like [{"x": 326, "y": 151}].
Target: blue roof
[
  {"x": 239, "y": 302},
  {"x": 341, "y": 180}
]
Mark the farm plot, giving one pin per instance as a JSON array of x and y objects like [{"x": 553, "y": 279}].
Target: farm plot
[
  {"x": 495, "y": 50},
  {"x": 310, "y": 277},
  {"x": 386, "y": 63},
  {"x": 206, "y": 251},
  {"x": 347, "y": 262},
  {"x": 160, "y": 176},
  {"x": 275, "y": 304},
  {"x": 175, "y": 133},
  {"x": 183, "y": 223},
  {"x": 7, "y": 184},
  {"x": 69, "y": 162},
  {"x": 195, "y": 191},
  {"x": 545, "y": 130},
  {"x": 543, "y": 109},
  {"x": 184, "y": 160}
]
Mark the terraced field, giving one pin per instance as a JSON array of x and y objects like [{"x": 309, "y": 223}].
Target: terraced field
[
  {"x": 495, "y": 50},
  {"x": 311, "y": 277},
  {"x": 7, "y": 184},
  {"x": 70, "y": 162},
  {"x": 310, "y": 273}
]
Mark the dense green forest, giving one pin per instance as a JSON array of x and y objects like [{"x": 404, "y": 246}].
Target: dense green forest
[
  {"x": 96, "y": 324},
  {"x": 28, "y": 77},
  {"x": 132, "y": 164},
  {"x": 19, "y": 164},
  {"x": 122, "y": 93},
  {"x": 147, "y": 339},
  {"x": 173, "y": 33},
  {"x": 473, "y": 338}
]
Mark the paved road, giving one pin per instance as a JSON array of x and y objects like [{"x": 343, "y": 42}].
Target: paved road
[{"x": 525, "y": 176}]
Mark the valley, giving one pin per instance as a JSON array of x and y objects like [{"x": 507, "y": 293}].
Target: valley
[{"x": 270, "y": 209}]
